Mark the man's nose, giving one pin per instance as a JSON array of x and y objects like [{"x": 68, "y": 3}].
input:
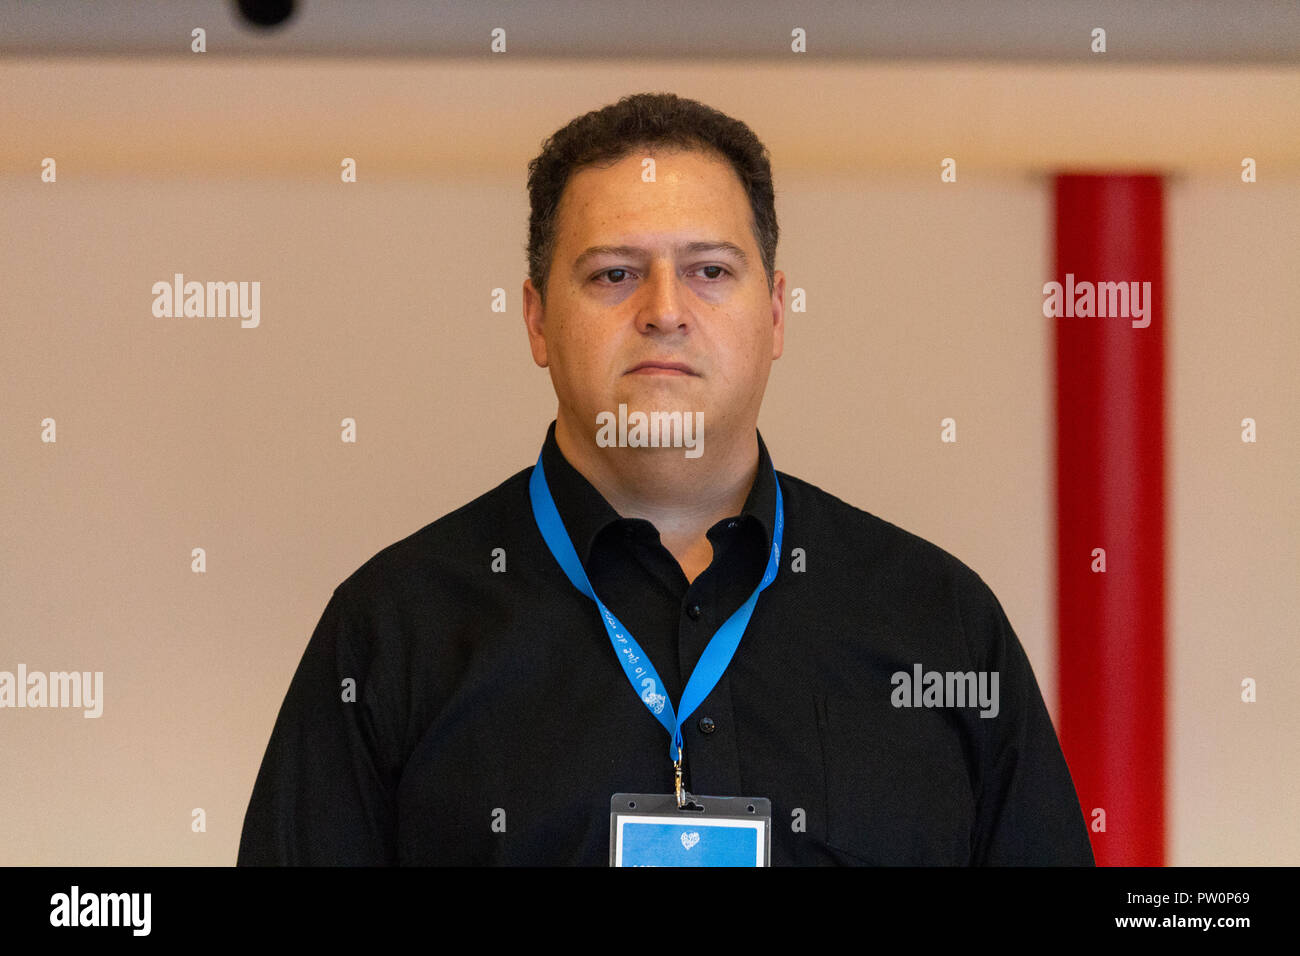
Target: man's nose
[{"x": 663, "y": 300}]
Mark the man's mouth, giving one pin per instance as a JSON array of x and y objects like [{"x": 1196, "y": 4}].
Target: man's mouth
[{"x": 661, "y": 368}]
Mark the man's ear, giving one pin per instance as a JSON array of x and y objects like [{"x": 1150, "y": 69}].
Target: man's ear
[
  {"x": 778, "y": 314},
  {"x": 534, "y": 322}
]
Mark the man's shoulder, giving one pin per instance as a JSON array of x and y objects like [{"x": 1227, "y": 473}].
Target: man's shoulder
[
  {"x": 867, "y": 546},
  {"x": 858, "y": 546},
  {"x": 446, "y": 544}
]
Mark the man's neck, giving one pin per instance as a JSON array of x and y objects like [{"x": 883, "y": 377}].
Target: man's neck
[{"x": 682, "y": 497}]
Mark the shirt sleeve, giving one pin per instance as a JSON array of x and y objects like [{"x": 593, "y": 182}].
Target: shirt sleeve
[
  {"x": 1028, "y": 812},
  {"x": 322, "y": 796}
]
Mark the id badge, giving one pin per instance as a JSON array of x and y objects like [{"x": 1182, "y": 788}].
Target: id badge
[{"x": 649, "y": 829}]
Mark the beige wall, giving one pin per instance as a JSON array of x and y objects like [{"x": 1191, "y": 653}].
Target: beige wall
[{"x": 924, "y": 302}]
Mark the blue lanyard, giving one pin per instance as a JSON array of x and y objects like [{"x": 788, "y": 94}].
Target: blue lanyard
[{"x": 636, "y": 664}]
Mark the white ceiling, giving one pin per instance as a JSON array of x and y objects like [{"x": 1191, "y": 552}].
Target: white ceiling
[{"x": 1057, "y": 31}]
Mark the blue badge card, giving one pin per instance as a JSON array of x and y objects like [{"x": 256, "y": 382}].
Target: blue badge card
[{"x": 648, "y": 829}]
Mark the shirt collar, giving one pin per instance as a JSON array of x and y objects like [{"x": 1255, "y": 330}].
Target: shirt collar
[{"x": 586, "y": 513}]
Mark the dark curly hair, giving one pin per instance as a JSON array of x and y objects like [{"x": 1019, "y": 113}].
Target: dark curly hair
[{"x": 635, "y": 122}]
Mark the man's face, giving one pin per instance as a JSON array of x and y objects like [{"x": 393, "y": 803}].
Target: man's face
[{"x": 656, "y": 298}]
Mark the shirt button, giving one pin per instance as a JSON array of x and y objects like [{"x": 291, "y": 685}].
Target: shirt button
[
  {"x": 694, "y": 612},
  {"x": 707, "y": 726}
]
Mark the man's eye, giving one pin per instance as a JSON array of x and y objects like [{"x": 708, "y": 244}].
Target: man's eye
[{"x": 616, "y": 276}]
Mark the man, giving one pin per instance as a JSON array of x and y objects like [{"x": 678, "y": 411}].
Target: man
[{"x": 465, "y": 699}]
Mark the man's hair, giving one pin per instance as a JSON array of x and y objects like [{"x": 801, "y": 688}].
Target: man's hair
[{"x": 645, "y": 121}]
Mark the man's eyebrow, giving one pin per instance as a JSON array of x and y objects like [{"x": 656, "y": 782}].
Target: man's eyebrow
[{"x": 686, "y": 248}]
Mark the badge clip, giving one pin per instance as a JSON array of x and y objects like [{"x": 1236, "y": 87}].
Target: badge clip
[{"x": 684, "y": 800}]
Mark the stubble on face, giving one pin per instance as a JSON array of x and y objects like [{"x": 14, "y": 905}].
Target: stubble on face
[{"x": 655, "y": 299}]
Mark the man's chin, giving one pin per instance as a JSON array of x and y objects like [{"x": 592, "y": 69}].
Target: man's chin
[{"x": 677, "y": 390}]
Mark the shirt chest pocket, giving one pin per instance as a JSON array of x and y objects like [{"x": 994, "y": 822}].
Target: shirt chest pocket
[{"x": 898, "y": 783}]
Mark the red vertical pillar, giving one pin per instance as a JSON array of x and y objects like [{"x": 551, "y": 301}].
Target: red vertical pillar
[{"x": 1110, "y": 496}]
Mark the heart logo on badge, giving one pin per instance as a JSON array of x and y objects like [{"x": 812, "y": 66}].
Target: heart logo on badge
[{"x": 690, "y": 839}]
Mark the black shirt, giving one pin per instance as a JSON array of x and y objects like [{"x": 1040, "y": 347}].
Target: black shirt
[{"x": 490, "y": 721}]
